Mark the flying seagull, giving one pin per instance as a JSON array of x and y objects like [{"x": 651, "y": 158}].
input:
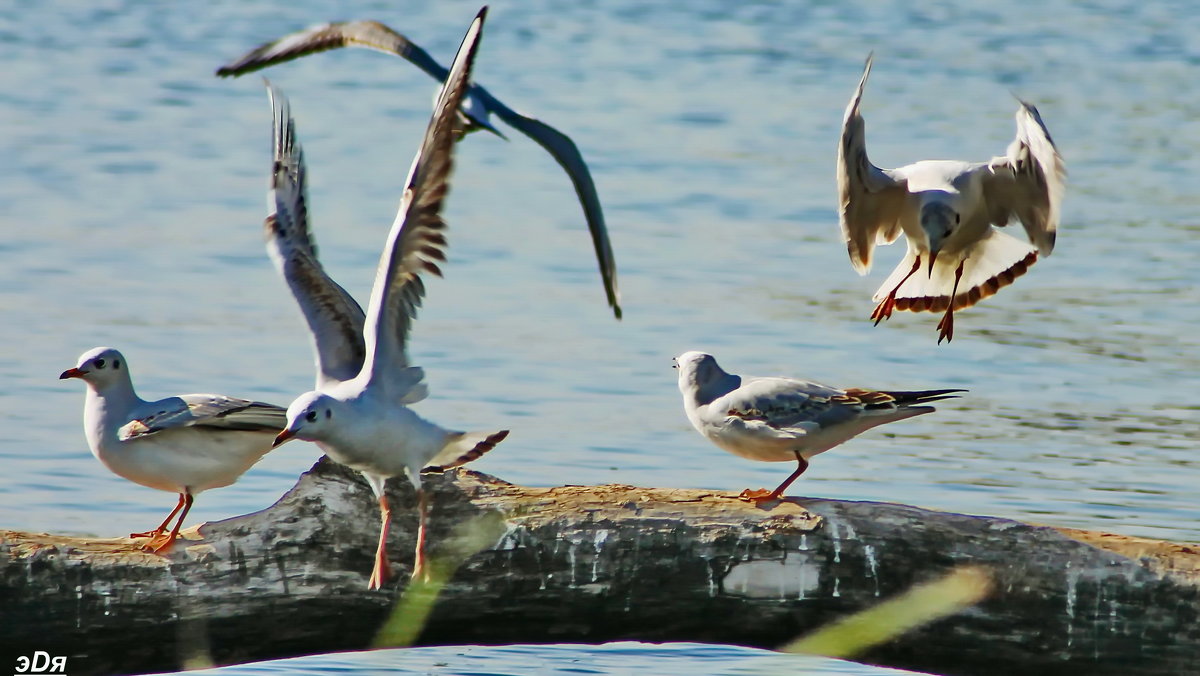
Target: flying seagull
[
  {"x": 946, "y": 210},
  {"x": 782, "y": 419},
  {"x": 358, "y": 414},
  {"x": 477, "y": 108},
  {"x": 185, "y": 444}
]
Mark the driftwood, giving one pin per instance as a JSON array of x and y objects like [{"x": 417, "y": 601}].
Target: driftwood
[{"x": 601, "y": 563}]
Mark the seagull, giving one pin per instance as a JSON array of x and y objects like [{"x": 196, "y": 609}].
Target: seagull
[
  {"x": 358, "y": 414},
  {"x": 783, "y": 419},
  {"x": 947, "y": 209},
  {"x": 477, "y": 108},
  {"x": 185, "y": 444}
]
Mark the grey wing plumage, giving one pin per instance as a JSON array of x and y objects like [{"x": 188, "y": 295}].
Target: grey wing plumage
[
  {"x": 1028, "y": 182},
  {"x": 781, "y": 403},
  {"x": 870, "y": 199},
  {"x": 566, "y": 153},
  {"x": 369, "y": 34},
  {"x": 333, "y": 317},
  {"x": 416, "y": 242},
  {"x": 205, "y": 410}
]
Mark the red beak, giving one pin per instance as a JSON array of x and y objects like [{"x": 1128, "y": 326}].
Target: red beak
[
  {"x": 71, "y": 373},
  {"x": 284, "y": 436}
]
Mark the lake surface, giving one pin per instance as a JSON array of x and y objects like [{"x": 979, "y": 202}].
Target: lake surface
[{"x": 133, "y": 191}]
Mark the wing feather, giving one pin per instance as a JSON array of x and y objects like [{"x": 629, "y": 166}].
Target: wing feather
[
  {"x": 377, "y": 36},
  {"x": 369, "y": 34},
  {"x": 205, "y": 410},
  {"x": 871, "y": 199},
  {"x": 417, "y": 241},
  {"x": 334, "y": 318},
  {"x": 1028, "y": 183},
  {"x": 566, "y": 153}
]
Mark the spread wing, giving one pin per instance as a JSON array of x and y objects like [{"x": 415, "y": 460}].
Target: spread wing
[
  {"x": 205, "y": 410},
  {"x": 1028, "y": 182},
  {"x": 369, "y": 34},
  {"x": 564, "y": 151},
  {"x": 377, "y": 36},
  {"x": 334, "y": 318},
  {"x": 416, "y": 242},
  {"x": 871, "y": 199}
]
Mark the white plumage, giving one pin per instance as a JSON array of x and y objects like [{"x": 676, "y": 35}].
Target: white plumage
[{"x": 946, "y": 210}]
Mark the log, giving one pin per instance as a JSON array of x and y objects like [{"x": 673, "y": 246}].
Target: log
[{"x": 601, "y": 563}]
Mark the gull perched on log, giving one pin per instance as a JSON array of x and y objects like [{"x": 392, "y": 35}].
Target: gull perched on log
[
  {"x": 359, "y": 412},
  {"x": 783, "y": 419},
  {"x": 185, "y": 444},
  {"x": 946, "y": 210},
  {"x": 475, "y": 113}
]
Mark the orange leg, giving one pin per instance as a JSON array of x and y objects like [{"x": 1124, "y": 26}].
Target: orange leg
[
  {"x": 381, "y": 573},
  {"x": 946, "y": 326},
  {"x": 884, "y": 309},
  {"x": 160, "y": 542},
  {"x": 762, "y": 495},
  {"x": 162, "y": 526},
  {"x": 420, "y": 569}
]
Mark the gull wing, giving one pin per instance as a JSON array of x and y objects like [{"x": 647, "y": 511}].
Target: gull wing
[
  {"x": 369, "y": 34},
  {"x": 416, "y": 242},
  {"x": 793, "y": 407},
  {"x": 1028, "y": 182},
  {"x": 377, "y": 36},
  {"x": 799, "y": 407},
  {"x": 205, "y": 410},
  {"x": 334, "y": 318},
  {"x": 871, "y": 199},
  {"x": 566, "y": 153}
]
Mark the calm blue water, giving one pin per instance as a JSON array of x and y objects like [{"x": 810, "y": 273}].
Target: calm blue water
[
  {"x": 133, "y": 189},
  {"x": 613, "y": 659}
]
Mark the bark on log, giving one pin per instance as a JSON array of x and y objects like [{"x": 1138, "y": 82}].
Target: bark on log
[{"x": 602, "y": 563}]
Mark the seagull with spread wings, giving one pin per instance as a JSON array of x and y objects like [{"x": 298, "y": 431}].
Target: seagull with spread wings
[
  {"x": 185, "y": 444},
  {"x": 478, "y": 106},
  {"x": 784, "y": 419},
  {"x": 949, "y": 212},
  {"x": 359, "y": 412}
]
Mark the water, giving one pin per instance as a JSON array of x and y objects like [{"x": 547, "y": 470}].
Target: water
[
  {"x": 133, "y": 189},
  {"x": 613, "y": 659}
]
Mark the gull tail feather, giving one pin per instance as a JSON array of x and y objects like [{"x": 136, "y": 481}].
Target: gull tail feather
[
  {"x": 989, "y": 265},
  {"x": 910, "y": 398},
  {"x": 463, "y": 448}
]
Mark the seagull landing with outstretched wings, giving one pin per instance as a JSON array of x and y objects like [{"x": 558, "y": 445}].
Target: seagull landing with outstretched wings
[{"x": 949, "y": 212}]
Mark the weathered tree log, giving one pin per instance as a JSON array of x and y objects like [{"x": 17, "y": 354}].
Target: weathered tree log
[{"x": 602, "y": 563}]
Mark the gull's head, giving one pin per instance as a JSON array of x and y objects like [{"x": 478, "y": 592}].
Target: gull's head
[
  {"x": 938, "y": 220},
  {"x": 99, "y": 367},
  {"x": 309, "y": 418},
  {"x": 697, "y": 369}
]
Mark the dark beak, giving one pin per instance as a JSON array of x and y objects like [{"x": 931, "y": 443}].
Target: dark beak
[
  {"x": 71, "y": 373},
  {"x": 932, "y": 260},
  {"x": 282, "y": 437}
]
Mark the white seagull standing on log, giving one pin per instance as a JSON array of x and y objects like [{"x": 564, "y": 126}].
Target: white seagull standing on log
[
  {"x": 478, "y": 106},
  {"x": 946, "y": 210},
  {"x": 185, "y": 444},
  {"x": 783, "y": 419},
  {"x": 359, "y": 412}
]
